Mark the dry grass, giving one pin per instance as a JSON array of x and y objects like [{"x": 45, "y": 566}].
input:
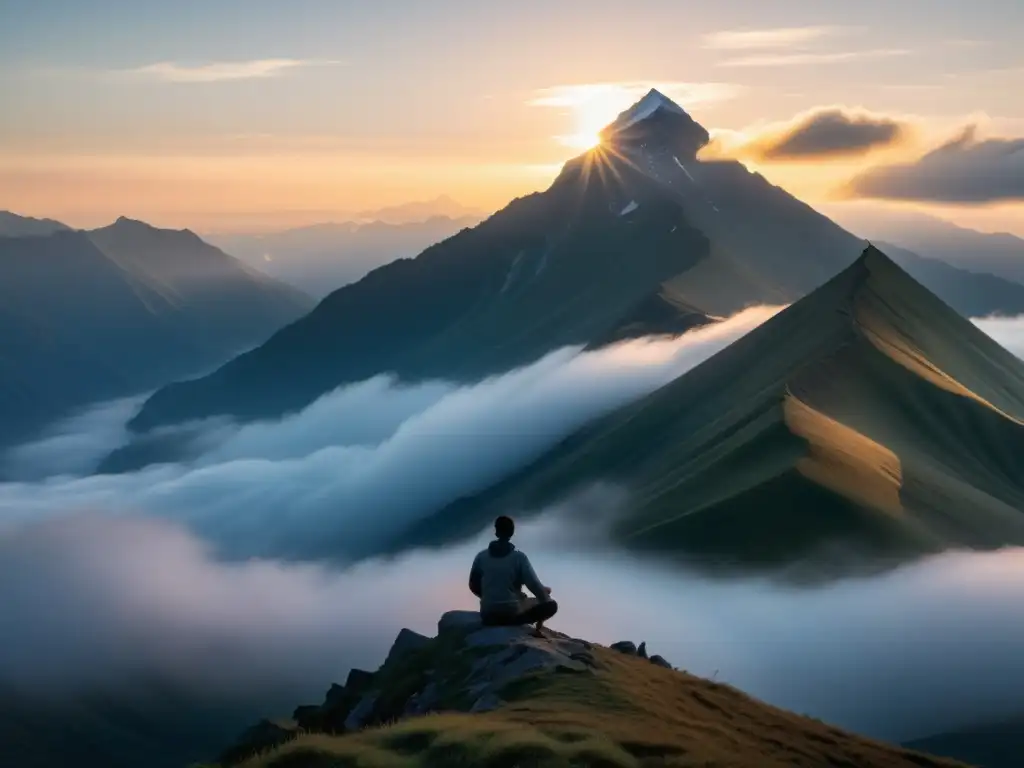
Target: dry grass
[{"x": 630, "y": 714}]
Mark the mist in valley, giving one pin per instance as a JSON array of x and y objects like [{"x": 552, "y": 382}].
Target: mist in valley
[{"x": 243, "y": 574}]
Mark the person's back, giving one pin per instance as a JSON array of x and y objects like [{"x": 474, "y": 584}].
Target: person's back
[{"x": 498, "y": 576}]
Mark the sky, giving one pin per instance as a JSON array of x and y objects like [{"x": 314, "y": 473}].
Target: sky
[{"x": 233, "y": 114}]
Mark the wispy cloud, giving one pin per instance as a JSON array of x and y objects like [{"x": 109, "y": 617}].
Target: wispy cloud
[
  {"x": 219, "y": 71},
  {"x": 799, "y": 59},
  {"x": 780, "y": 37}
]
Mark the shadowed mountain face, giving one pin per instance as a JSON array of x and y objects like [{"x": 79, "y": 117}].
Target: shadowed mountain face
[
  {"x": 868, "y": 423},
  {"x": 85, "y": 316}
]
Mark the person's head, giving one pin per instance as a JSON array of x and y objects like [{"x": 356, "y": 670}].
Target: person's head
[{"x": 504, "y": 527}]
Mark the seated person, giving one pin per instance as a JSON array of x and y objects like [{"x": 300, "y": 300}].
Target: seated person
[{"x": 497, "y": 578}]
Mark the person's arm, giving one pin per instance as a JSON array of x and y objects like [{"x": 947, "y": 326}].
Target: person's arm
[
  {"x": 475, "y": 576},
  {"x": 530, "y": 580}
]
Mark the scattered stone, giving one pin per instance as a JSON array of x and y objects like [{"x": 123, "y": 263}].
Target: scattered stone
[
  {"x": 642, "y": 650},
  {"x": 624, "y": 646},
  {"x": 406, "y": 642},
  {"x": 585, "y": 657},
  {"x": 660, "y": 661},
  {"x": 458, "y": 620}
]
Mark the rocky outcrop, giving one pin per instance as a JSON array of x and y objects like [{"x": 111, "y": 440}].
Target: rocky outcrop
[
  {"x": 630, "y": 648},
  {"x": 465, "y": 668}
]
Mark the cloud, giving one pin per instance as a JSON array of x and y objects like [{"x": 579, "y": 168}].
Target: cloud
[
  {"x": 779, "y": 37},
  {"x": 219, "y": 71},
  {"x": 826, "y": 132},
  {"x": 1008, "y": 332},
  {"x": 74, "y": 446},
  {"x": 205, "y": 575},
  {"x": 319, "y": 484},
  {"x": 802, "y": 59},
  {"x": 105, "y": 601},
  {"x": 965, "y": 170}
]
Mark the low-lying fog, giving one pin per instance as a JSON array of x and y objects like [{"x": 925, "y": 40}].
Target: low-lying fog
[{"x": 202, "y": 572}]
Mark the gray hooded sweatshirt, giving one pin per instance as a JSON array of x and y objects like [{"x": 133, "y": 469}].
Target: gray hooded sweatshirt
[{"x": 498, "y": 576}]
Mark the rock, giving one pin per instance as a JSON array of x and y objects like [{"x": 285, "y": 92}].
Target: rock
[
  {"x": 422, "y": 702},
  {"x": 624, "y": 646},
  {"x": 660, "y": 661},
  {"x": 309, "y": 717},
  {"x": 265, "y": 735},
  {"x": 585, "y": 657},
  {"x": 458, "y": 620},
  {"x": 486, "y": 703},
  {"x": 358, "y": 681},
  {"x": 497, "y": 636},
  {"x": 358, "y": 716},
  {"x": 406, "y": 642},
  {"x": 642, "y": 650},
  {"x": 335, "y": 695}
]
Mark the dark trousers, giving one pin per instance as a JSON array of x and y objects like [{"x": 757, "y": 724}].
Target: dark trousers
[{"x": 529, "y": 611}]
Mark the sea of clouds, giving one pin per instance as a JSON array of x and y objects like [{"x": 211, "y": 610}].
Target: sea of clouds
[{"x": 215, "y": 572}]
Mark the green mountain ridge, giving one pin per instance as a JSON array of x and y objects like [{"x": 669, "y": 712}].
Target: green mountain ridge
[{"x": 866, "y": 424}]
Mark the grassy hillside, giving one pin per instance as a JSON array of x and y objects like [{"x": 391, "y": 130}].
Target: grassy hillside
[
  {"x": 867, "y": 423},
  {"x": 609, "y": 710}
]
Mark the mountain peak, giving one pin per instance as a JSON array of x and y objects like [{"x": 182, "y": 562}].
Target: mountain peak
[
  {"x": 652, "y": 102},
  {"x": 656, "y": 116}
]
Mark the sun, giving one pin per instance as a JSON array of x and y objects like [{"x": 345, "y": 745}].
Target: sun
[{"x": 582, "y": 141}]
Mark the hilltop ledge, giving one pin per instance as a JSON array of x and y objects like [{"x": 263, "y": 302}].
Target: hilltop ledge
[{"x": 500, "y": 697}]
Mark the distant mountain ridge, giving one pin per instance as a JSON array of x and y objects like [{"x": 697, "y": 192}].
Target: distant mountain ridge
[
  {"x": 321, "y": 258},
  {"x": 94, "y": 315},
  {"x": 635, "y": 219},
  {"x": 13, "y": 225}
]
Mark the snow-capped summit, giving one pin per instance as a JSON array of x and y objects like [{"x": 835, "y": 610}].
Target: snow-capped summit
[
  {"x": 647, "y": 106},
  {"x": 656, "y": 125}
]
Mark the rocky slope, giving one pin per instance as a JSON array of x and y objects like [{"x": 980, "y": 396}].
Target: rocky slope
[{"x": 499, "y": 697}]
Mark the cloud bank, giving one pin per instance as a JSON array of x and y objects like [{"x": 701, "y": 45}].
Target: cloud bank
[
  {"x": 207, "y": 574},
  {"x": 826, "y": 133},
  {"x": 319, "y": 483},
  {"x": 920, "y": 650},
  {"x": 965, "y": 170}
]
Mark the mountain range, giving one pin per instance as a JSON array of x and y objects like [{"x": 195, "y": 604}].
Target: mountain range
[
  {"x": 321, "y": 258},
  {"x": 637, "y": 228},
  {"x": 867, "y": 424},
  {"x": 89, "y": 315}
]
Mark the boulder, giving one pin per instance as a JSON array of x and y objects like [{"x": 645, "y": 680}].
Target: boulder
[
  {"x": 660, "y": 661},
  {"x": 624, "y": 646},
  {"x": 358, "y": 717},
  {"x": 458, "y": 620},
  {"x": 358, "y": 681},
  {"x": 406, "y": 642},
  {"x": 488, "y": 636},
  {"x": 309, "y": 717},
  {"x": 642, "y": 650}
]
